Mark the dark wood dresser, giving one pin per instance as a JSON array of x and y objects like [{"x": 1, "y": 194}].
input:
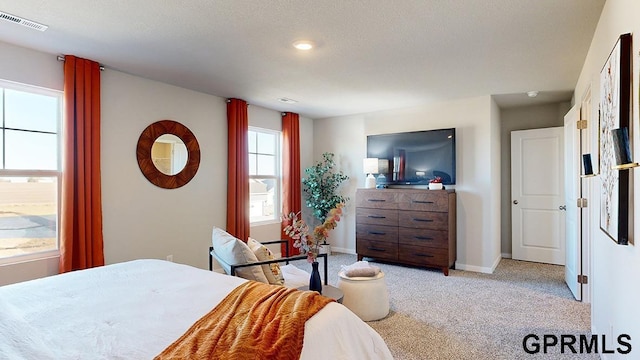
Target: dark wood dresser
[{"x": 407, "y": 226}]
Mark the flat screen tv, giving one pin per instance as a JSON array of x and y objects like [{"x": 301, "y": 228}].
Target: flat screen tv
[{"x": 414, "y": 158}]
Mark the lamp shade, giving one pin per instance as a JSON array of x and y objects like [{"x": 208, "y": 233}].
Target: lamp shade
[
  {"x": 383, "y": 166},
  {"x": 370, "y": 165}
]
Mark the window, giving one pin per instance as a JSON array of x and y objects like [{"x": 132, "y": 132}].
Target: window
[
  {"x": 30, "y": 122},
  {"x": 264, "y": 175}
]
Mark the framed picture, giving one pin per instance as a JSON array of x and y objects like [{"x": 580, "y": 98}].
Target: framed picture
[{"x": 615, "y": 112}]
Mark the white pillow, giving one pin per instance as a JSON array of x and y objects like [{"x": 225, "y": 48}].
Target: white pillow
[
  {"x": 294, "y": 277},
  {"x": 232, "y": 251},
  {"x": 271, "y": 271}
]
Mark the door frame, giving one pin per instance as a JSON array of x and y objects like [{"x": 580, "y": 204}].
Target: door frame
[
  {"x": 588, "y": 142},
  {"x": 586, "y": 188},
  {"x": 573, "y": 192}
]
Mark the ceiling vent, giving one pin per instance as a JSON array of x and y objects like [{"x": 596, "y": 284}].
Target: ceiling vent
[
  {"x": 24, "y": 22},
  {"x": 287, "y": 100}
]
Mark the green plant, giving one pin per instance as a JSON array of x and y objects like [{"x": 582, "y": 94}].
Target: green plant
[{"x": 320, "y": 187}]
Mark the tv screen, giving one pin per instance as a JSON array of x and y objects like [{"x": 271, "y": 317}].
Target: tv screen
[{"x": 414, "y": 158}]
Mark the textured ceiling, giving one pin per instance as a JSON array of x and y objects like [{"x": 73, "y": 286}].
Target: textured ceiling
[{"x": 371, "y": 54}]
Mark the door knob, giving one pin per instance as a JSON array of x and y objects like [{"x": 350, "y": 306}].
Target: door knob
[
  {"x": 562, "y": 207},
  {"x": 515, "y": 202}
]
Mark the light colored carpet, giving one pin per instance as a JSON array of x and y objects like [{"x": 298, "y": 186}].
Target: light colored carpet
[{"x": 469, "y": 315}]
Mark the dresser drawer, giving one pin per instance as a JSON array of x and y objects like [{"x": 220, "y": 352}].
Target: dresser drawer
[
  {"x": 377, "y": 249},
  {"x": 418, "y": 255},
  {"x": 424, "y": 237},
  {"x": 377, "y": 217},
  {"x": 428, "y": 200},
  {"x": 377, "y": 233},
  {"x": 376, "y": 198},
  {"x": 424, "y": 220}
]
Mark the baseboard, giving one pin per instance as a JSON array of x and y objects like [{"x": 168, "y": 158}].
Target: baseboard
[
  {"x": 343, "y": 250},
  {"x": 506, "y": 255},
  {"x": 480, "y": 269},
  {"x": 218, "y": 270},
  {"x": 595, "y": 332},
  {"x": 495, "y": 263},
  {"x": 333, "y": 249}
]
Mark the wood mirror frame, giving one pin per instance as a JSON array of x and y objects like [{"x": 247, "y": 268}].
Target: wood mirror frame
[{"x": 143, "y": 153}]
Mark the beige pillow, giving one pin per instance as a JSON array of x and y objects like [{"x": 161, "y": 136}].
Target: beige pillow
[
  {"x": 232, "y": 251},
  {"x": 271, "y": 271}
]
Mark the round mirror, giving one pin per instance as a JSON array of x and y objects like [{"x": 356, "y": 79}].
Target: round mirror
[{"x": 168, "y": 154}]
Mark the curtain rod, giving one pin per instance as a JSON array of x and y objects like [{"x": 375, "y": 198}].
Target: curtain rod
[
  {"x": 229, "y": 100},
  {"x": 61, "y": 58}
]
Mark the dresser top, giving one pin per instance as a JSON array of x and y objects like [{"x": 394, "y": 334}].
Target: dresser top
[{"x": 406, "y": 190}]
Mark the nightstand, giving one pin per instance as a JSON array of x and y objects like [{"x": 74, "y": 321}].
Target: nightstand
[{"x": 328, "y": 291}]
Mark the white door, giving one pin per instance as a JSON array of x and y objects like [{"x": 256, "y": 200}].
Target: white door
[
  {"x": 572, "y": 192},
  {"x": 537, "y": 195},
  {"x": 180, "y": 157}
]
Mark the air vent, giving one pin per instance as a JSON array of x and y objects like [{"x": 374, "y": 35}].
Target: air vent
[
  {"x": 24, "y": 22},
  {"x": 287, "y": 100}
]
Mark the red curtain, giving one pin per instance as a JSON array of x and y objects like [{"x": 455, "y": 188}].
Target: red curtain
[
  {"x": 81, "y": 243},
  {"x": 238, "y": 169},
  {"x": 291, "y": 194}
]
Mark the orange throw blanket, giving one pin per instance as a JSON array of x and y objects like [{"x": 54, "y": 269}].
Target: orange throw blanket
[{"x": 256, "y": 321}]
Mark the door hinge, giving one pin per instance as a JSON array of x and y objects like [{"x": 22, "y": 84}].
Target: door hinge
[
  {"x": 582, "y": 202},
  {"x": 581, "y": 124},
  {"x": 583, "y": 279}
]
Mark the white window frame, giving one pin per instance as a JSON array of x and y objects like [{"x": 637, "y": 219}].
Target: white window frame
[
  {"x": 278, "y": 177},
  {"x": 4, "y": 84}
]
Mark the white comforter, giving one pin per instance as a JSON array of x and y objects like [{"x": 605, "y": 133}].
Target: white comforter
[{"x": 134, "y": 310}]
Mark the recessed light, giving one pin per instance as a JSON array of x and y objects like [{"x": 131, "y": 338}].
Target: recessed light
[
  {"x": 287, "y": 100},
  {"x": 303, "y": 45},
  {"x": 532, "y": 94}
]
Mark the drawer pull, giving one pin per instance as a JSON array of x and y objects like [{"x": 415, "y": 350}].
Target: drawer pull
[
  {"x": 377, "y": 233},
  {"x": 376, "y": 200},
  {"x": 423, "y": 238},
  {"x": 423, "y": 255},
  {"x": 376, "y": 249},
  {"x": 423, "y": 220},
  {"x": 376, "y": 216},
  {"x": 422, "y": 202}
]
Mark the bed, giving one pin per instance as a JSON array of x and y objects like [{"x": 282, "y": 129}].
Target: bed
[{"x": 134, "y": 310}]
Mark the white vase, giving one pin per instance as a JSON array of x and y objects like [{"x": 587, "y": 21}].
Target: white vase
[{"x": 435, "y": 186}]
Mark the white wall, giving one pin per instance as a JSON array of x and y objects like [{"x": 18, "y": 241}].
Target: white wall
[
  {"x": 615, "y": 305},
  {"x": 31, "y": 67},
  {"x": 493, "y": 228},
  {"x": 478, "y": 203},
  {"x": 344, "y": 137},
  {"x": 141, "y": 220}
]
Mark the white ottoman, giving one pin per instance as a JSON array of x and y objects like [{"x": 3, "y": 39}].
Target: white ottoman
[{"x": 367, "y": 297}]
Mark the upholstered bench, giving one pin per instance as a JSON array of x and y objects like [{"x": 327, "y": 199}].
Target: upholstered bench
[{"x": 367, "y": 297}]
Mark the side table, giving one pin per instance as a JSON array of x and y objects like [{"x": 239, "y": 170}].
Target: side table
[{"x": 328, "y": 291}]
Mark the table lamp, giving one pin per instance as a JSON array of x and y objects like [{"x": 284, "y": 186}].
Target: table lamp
[{"x": 370, "y": 166}]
